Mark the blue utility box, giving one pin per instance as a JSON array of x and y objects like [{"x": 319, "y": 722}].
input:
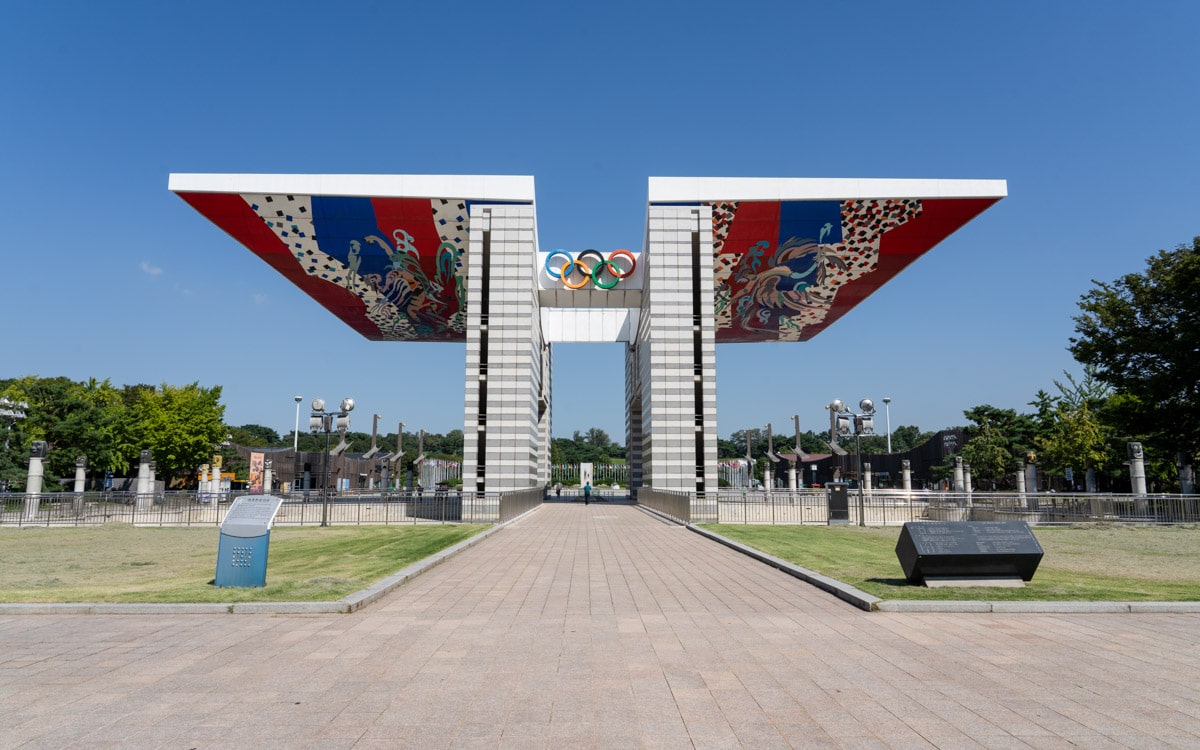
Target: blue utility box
[{"x": 245, "y": 535}]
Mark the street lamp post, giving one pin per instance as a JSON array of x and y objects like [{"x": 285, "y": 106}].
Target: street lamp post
[
  {"x": 296, "y": 431},
  {"x": 861, "y": 424},
  {"x": 887, "y": 418},
  {"x": 323, "y": 421}
]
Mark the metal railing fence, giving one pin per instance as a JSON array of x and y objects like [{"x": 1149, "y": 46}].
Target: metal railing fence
[
  {"x": 672, "y": 504},
  {"x": 896, "y": 507},
  {"x": 513, "y": 504},
  {"x": 298, "y": 509}
]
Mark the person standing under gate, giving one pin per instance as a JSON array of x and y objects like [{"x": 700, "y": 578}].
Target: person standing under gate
[{"x": 587, "y": 493}]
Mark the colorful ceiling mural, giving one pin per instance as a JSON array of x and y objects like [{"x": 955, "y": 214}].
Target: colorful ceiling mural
[
  {"x": 786, "y": 270},
  {"x": 393, "y": 269}
]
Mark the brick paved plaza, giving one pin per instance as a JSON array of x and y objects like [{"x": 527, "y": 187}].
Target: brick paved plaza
[{"x": 601, "y": 626}]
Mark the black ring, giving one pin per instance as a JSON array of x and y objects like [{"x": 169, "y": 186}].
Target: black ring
[{"x": 599, "y": 256}]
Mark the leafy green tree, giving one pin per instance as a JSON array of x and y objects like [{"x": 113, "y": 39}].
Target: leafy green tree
[
  {"x": 988, "y": 453},
  {"x": 995, "y": 440},
  {"x": 1073, "y": 434},
  {"x": 1141, "y": 333},
  {"x": 180, "y": 425},
  {"x": 907, "y": 437},
  {"x": 255, "y": 435},
  {"x": 73, "y": 419},
  {"x": 1076, "y": 440}
]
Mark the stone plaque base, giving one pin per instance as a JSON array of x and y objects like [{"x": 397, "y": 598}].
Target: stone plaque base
[{"x": 1004, "y": 582}]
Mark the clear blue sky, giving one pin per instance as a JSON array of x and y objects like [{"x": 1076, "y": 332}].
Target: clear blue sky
[{"x": 1088, "y": 109}]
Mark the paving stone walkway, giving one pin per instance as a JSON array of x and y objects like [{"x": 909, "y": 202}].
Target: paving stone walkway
[{"x": 601, "y": 626}]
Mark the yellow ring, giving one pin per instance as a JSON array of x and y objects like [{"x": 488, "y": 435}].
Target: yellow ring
[{"x": 587, "y": 275}]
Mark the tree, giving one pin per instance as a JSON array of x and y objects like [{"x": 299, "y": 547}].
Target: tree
[
  {"x": 1073, "y": 435},
  {"x": 989, "y": 454},
  {"x": 908, "y": 437},
  {"x": 1076, "y": 440},
  {"x": 73, "y": 419},
  {"x": 180, "y": 425},
  {"x": 255, "y": 435},
  {"x": 1141, "y": 333},
  {"x": 997, "y": 438}
]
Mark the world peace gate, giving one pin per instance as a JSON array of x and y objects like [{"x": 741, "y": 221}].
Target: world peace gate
[{"x": 407, "y": 258}]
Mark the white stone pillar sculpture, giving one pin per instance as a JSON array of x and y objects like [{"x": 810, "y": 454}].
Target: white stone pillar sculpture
[
  {"x": 80, "y": 474},
  {"x": 33, "y": 482},
  {"x": 1187, "y": 479},
  {"x": 959, "y": 482},
  {"x": 967, "y": 485},
  {"x": 866, "y": 477},
  {"x": 1137, "y": 468},
  {"x": 80, "y": 482},
  {"x": 906, "y": 475},
  {"x": 145, "y": 481},
  {"x": 1137, "y": 477},
  {"x": 1019, "y": 481}
]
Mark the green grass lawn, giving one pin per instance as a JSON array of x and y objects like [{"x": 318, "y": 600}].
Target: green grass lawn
[
  {"x": 1081, "y": 563},
  {"x": 122, "y": 563}
]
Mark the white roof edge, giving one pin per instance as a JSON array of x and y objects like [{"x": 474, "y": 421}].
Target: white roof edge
[
  {"x": 686, "y": 189},
  {"x": 468, "y": 187}
]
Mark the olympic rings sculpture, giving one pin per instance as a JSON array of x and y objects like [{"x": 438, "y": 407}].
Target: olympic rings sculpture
[{"x": 575, "y": 273}]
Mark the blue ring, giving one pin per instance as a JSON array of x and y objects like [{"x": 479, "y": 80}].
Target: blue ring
[{"x": 553, "y": 270}]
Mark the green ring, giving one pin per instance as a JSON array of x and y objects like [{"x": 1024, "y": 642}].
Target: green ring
[{"x": 596, "y": 269}]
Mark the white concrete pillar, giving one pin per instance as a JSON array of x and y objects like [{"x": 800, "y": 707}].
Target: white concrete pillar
[
  {"x": 1019, "y": 482},
  {"x": 1137, "y": 477},
  {"x": 792, "y": 477},
  {"x": 968, "y": 487},
  {"x": 1187, "y": 480},
  {"x": 673, "y": 393},
  {"x": 80, "y": 474},
  {"x": 506, "y": 417},
  {"x": 80, "y": 482},
  {"x": 866, "y": 477},
  {"x": 33, "y": 481},
  {"x": 145, "y": 482},
  {"x": 906, "y": 475},
  {"x": 959, "y": 481}
]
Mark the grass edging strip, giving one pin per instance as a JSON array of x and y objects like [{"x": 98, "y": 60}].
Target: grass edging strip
[{"x": 846, "y": 593}]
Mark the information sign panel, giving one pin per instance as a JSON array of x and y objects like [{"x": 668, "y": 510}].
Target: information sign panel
[{"x": 245, "y": 536}]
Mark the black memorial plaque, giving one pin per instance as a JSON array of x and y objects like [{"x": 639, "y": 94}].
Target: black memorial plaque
[{"x": 967, "y": 549}]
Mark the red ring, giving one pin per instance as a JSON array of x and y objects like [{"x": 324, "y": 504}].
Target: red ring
[{"x": 632, "y": 262}]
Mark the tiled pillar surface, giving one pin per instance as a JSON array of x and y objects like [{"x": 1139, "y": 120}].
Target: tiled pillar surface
[
  {"x": 506, "y": 411},
  {"x": 676, "y": 357}
]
